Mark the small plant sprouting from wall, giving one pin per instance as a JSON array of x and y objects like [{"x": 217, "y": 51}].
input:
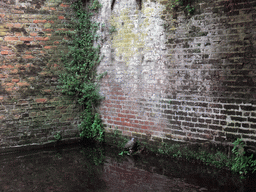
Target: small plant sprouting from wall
[
  {"x": 79, "y": 79},
  {"x": 112, "y": 29},
  {"x": 179, "y": 5},
  {"x": 58, "y": 136}
]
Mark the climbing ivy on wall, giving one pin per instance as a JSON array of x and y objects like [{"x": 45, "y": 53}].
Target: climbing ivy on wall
[{"x": 79, "y": 79}]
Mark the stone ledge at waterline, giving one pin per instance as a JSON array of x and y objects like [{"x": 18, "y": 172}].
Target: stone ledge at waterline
[
  {"x": 36, "y": 146},
  {"x": 114, "y": 140},
  {"x": 153, "y": 144}
]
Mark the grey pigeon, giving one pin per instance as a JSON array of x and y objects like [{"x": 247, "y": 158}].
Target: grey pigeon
[{"x": 130, "y": 145}]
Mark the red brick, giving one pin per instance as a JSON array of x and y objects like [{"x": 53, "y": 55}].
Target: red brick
[
  {"x": 9, "y": 84},
  {"x": 15, "y": 80},
  {"x": 121, "y": 115},
  {"x": 110, "y": 122},
  {"x": 39, "y": 21},
  {"x": 48, "y": 47},
  {"x": 28, "y": 57},
  {"x": 8, "y": 38},
  {"x": 61, "y": 17},
  {"x": 48, "y": 30},
  {"x": 121, "y": 98},
  {"x": 62, "y": 29},
  {"x": 145, "y": 127},
  {"x": 8, "y": 90},
  {"x": 32, "y": 78},
  {"x": 9, "y": 25},
  {"x": 29, "y": 65},
  {"x": 33, "y": 34},
  {"x": 10, "y": 66},
  {"x": 44, "y": 73},
  {"x": 42, "y": 38},
  {"x": 41, "y": 100},
  {"x": 3, "y": 67},
  {"x": 17, "y": 25},
  {"x": 5, "y": 47},
  {"x": 64, "y": 5},
  {"x": 4, "y": 52},
  {"x": 127, "y": 124},
  {"x": 18, "y": 34},
  {"x": 14, "y": 71},
  {"x": 52, "y": 8},
  {"x": 151, "y": 123},
  {"x": 2, "y": 76},
  {"x": 23, "y": 84},
  {"x": 26, "y": 38},
  {"x": 47, "y": 90}
]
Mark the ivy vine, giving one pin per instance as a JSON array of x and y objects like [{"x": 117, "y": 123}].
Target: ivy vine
[{"x": 79, "y": 78}]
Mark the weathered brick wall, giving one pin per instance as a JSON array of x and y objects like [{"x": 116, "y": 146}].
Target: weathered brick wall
[
  {"x": 175, "y": 77},
  {"x": 170, "y": 77},
  {"x": 32, "y": 109}
]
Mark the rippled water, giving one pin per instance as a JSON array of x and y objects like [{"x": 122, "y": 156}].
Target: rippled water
[{"x": 79, "y": 168}]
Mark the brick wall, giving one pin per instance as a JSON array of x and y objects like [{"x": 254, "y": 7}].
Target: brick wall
[
  {"x": 32, "y": 109},
  {"x": 178, "y": 77},
  {"x": 170, "y": 76}
]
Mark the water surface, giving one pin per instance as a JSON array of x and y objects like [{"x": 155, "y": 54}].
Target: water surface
[{"x": 81, "y": 168}]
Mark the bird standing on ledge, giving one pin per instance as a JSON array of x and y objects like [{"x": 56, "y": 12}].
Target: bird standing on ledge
[{"x": 130, "y": 145}]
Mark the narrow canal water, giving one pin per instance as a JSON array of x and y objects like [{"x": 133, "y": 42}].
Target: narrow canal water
[{"x": 80, "y": 168}]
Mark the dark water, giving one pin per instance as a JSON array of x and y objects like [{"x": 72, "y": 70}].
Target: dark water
[{"x": 79, "y": 168}]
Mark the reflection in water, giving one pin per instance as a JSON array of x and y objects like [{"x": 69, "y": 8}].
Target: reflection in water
[
  {"x": 78, "y": 168},
  {"x": 126, "y": 177}
]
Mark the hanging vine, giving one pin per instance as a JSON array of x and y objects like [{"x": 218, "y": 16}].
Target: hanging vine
[{"x": 79, "y": 79}]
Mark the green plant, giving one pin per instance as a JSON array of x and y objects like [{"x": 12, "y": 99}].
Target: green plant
[
  {"x": 79, "y": 79},
  {"x": 217, "y": 159},
  {"x": 58, "y": 136},
  {"x": 123, "y": 152},
  {"x": 242, "y": 164},
  {"x": 94, "y": 130},
  {"x": 95, "y": 5},
  {"x": 116, "y": 133},
  {"x": 112, "y": 29},
  {"x": 185, "y": 5}
]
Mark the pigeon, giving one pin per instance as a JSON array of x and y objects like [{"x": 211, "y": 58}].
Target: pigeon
[{"x": 130, "y": 145}]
